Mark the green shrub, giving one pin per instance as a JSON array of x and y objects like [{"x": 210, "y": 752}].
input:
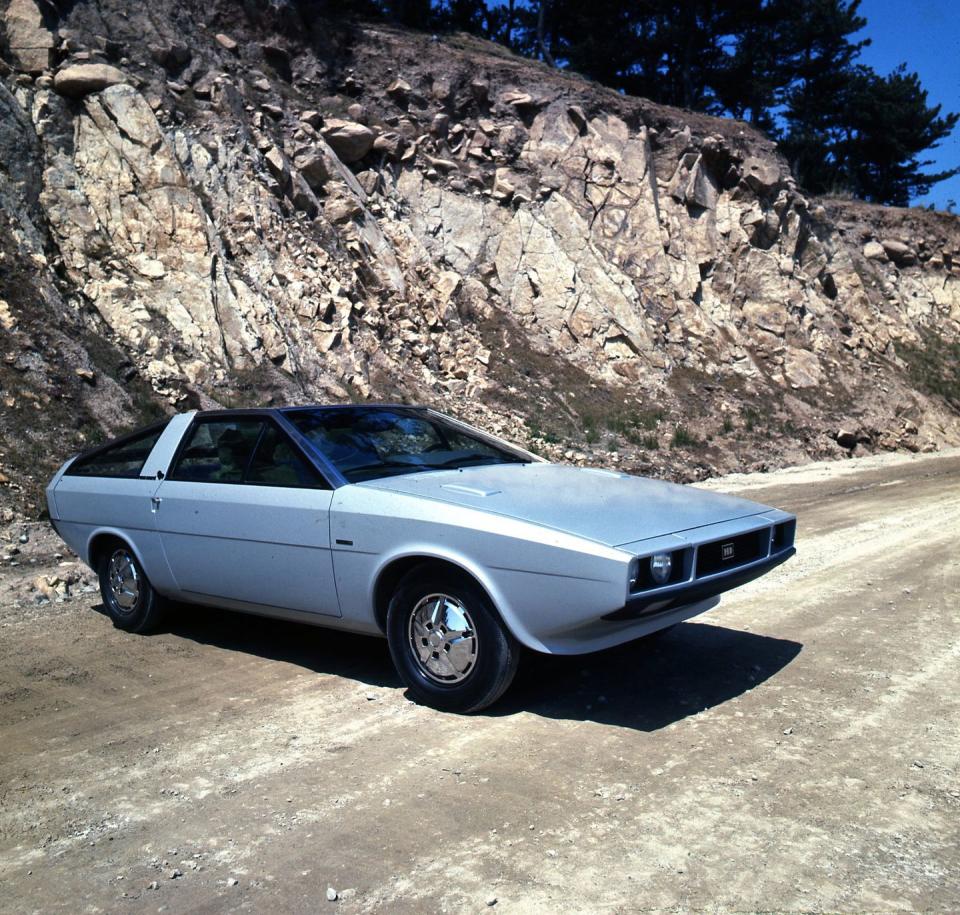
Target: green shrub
[
  {"x": 934, "y": 366},
  {"x": 684, "y": 438},
  {"x": 625, "y": 423}
]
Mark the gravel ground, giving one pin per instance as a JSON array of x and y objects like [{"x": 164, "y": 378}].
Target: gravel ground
[{"x": 795, "y": 749}]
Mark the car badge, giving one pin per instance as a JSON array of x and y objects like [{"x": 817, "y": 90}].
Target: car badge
[{"x": 726, "y": 551}]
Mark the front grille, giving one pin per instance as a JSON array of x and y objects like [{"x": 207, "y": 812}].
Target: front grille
[{"x": 721, "y": 555}]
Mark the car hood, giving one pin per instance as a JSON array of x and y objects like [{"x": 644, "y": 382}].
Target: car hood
[{"x": 601, "y": 505}]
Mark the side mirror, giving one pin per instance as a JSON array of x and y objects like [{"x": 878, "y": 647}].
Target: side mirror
[{"x": 159, "y": 474}]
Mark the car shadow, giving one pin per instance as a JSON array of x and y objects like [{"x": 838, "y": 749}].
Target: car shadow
[
  {"x": 651, "y": 682},
  {"x": 328, "y": 651},
  {"x": 646, "y": 684}
]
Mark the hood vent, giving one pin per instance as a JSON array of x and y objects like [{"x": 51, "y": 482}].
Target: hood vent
[{"x": 470, "y": 490}]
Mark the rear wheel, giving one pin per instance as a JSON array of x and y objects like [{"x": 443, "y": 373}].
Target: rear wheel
[
  {"x": 448, "y": 642},
  {"x": 130, "y": 599}
]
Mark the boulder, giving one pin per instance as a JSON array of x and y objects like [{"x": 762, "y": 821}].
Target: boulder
[
  {"x": 390, "y": 144},
  {"x": 279, "y": 60},
  {"x": 520, "y": 101},
  {"x": 278, "y": 165},
  {"x": 341, "y": 208},
  {"x": 761, "y": 175},
  {"x": 873, "y": 251},
  {"x": 29, "y": 40},
  {"x": 899, "y": 252},
  {"x": 172, "y": 57},
  {"x": 480, "y": 89},
  {"x": 349, "y": 140},
  {"x": 700, "y": 190},
  {"x": 447, "y": 284},
  {"x": 399, "y": 90},
  {"x": 442, "y": 165},
  {"x": 769, "y": 317},
  {"x": 225, "y": 42},
  {"x": 203, "y": 87},
  {"x": 82, "y": 79},
  {"x": 503, "y": 187},
  {"x": 441, "y": 88},
  {"x": 312, "y": 164},
  {"x": 845, "y": 438},
  {"x": 440, "y": 125}
]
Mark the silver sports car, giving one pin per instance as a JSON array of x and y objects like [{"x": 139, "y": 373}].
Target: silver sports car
[{"x": 399, "y": 521}]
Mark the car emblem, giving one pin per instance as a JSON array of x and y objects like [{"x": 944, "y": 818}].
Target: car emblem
[{"x": 726, "y": 551}]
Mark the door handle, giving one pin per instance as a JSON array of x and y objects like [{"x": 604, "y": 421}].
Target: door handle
[{"x": 155, "y": 500}]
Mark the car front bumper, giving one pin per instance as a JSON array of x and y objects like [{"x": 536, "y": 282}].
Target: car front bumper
[{"x": 645, "y": 605}]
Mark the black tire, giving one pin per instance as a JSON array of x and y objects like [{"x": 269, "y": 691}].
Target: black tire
[
  {"x": 131, "y": 603},
  {"x": 482, "y": 665}
]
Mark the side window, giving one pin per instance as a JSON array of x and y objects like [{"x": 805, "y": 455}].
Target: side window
[
  {"x": 124, "y": 459},
  {"x": 218, "y": 451},
  {"x": 276, "y": 462}
]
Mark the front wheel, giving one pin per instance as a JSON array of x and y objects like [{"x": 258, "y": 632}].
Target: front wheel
[
  {"x": 448, "y": 642},
  {"x": 127, "y": 594}
]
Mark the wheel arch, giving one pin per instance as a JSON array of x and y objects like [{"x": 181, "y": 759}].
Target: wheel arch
[
  {"x": 99, "y": 542},
  {"x": 393, "y": 569}
]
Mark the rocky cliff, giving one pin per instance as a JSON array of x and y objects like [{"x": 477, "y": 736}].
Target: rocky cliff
[{"x": 219, "y": 203}]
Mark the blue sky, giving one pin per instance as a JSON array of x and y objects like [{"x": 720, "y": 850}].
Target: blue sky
[{"x": 925, "y": 35}]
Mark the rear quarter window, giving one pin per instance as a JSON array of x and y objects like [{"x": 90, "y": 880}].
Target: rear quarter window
[{"x": 123, "y": 458}]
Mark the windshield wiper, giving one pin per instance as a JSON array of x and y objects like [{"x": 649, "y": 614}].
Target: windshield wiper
[
  {"x": 406, "y": 465},
  {"x": 471, "y": 458},
  {"x": 390, "y": 464}
]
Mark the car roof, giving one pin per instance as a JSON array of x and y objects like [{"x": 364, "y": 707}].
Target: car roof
[
  {"x": 355, "y": 406},
  {"x": 259, "y": 411}
]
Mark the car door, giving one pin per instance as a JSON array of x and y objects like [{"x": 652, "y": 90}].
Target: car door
[{"x": 244, "y": 516}]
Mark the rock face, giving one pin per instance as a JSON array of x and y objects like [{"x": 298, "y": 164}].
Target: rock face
[
  {"x": 29, "y": 40},
  {"x": 240, "y": 220}
]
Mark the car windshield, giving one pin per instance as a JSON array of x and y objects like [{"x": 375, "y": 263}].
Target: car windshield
[{"x": 365, "y": 443}]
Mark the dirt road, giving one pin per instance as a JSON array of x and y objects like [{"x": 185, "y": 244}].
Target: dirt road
[{"x": 796, "y": 748}]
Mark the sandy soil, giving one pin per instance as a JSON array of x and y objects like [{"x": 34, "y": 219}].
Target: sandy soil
[{"x": 795, "y": 749}]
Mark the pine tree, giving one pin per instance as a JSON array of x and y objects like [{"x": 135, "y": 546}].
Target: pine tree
[
  {"x": 760, "y": 64},
  {"x": 416, "y": 14},
  {"x": 472, "y": 16},
  {"x": 890, "y": 124},
  {"x": 823, "y": 56}
]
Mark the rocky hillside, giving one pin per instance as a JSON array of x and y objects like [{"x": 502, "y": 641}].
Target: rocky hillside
[{"x": 220, "y": 203}]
